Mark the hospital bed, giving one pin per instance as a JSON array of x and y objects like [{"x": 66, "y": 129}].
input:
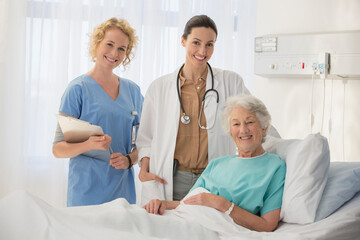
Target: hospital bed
[{"x": 321, "y": 201}]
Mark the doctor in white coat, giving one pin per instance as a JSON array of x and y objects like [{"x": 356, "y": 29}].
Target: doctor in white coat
[{"x": 172, "y": 105}]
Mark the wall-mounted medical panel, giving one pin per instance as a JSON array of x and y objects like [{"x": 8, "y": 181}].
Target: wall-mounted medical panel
[{"x": 327, "y": 55}]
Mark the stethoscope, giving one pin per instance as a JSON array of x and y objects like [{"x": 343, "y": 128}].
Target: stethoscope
[{"x": 185, "y": 119}]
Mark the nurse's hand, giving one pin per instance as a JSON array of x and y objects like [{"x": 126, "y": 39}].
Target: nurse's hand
[
  {"x": 99, "y": 142},
  {"x": 155, "y": 206},
  {"x": 119, "y": 161},
  {"x": 145, "y": 175}
]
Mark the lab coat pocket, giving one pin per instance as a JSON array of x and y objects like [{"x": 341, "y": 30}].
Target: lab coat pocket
[{"x": 151, "y": 190}]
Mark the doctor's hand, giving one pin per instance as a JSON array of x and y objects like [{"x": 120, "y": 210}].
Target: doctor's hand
[
  {"x": 145, "y": 175},
  {"x": 119, "y": 161},
  {"x": 209, "y": 200},
  {"x": 155, "y": 206},
  {"x": 99, "y": 142}
]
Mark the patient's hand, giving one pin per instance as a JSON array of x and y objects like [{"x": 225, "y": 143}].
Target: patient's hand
[
  {"x": 155, "y": 206},
  {"x": 209, "y": 200}
]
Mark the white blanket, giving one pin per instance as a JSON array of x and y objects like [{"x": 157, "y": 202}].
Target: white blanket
[
  {"x": 23, "y": 216},
  {"x": 221, "y": 223}
]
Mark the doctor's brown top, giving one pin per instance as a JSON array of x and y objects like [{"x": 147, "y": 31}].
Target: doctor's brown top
[{"x": 191, "y": 148}]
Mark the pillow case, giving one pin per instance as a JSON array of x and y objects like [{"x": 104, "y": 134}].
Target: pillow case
[
  {"x": 342, "y": 184},
  {"x": 307, "y": 164}
]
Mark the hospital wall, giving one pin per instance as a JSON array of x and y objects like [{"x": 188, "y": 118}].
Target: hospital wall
[{"x": 336, "y": 103}]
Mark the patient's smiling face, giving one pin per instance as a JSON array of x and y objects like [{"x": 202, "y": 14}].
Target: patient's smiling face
[{"x": 246, "y": 130}]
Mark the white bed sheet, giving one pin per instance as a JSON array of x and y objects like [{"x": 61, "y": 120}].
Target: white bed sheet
[
  {"x": 23, "y": 216},
  {"x": 344, "y": 224}
]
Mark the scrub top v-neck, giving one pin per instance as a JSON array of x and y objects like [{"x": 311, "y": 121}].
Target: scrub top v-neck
[{"x": 92, "y": 180}]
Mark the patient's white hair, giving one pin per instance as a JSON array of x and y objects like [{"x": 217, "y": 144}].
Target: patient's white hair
[{"x": 251, "y": 104}]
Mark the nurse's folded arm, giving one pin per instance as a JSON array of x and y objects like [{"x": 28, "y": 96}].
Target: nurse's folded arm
[
  {"x": 64, "y": 149},
  {"x": 145, "y": 175}
]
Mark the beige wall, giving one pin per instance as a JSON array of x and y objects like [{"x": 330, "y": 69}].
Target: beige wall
[{"x": 289, "y": 100}]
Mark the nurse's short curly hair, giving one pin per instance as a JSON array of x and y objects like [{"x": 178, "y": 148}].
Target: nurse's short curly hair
[
  {"x": 99, "y": 33},
  {"x": 250, "y": 103}
]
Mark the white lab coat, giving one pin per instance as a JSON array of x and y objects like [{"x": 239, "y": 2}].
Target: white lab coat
[{"x": 159, "y": 127}]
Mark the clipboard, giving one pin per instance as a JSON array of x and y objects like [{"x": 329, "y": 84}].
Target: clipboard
[{"x": 76, "y": 130}]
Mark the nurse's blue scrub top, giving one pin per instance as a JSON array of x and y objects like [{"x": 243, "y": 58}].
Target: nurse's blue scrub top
[{"x": 93, "y": 181}]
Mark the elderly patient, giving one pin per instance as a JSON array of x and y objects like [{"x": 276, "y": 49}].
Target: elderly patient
[{"x": 248, "y": 186}]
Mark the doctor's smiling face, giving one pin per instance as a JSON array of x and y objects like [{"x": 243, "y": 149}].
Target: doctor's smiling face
[
  {"x": 199, "y": 46},
  {"x": 247, "y": 132},
  {"x": 111, "y": 51}
]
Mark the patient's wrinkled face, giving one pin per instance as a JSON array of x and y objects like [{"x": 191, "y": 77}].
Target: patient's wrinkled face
[{"x": 246, "y": 130}]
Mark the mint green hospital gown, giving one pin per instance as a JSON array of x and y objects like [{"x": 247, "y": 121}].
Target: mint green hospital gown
[{"x": 254, "y": 184}]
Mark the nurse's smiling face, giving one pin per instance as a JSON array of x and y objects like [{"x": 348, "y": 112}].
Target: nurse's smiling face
[
  {"x": 199, "y": 46},
  {"x": 246, "y": 130},
  {"x": 111, "y": 51}
]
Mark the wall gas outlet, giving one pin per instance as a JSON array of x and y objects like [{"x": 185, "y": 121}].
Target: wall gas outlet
[{"x": 324, "y": 65}]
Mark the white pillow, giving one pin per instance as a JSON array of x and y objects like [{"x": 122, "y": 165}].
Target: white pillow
[
  {"x": 307, "y": 164},
  {"x": 342, "y": 184}
]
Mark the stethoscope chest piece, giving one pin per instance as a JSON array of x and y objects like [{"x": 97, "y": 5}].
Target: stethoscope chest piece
[{"x": 185, "y": 119}]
